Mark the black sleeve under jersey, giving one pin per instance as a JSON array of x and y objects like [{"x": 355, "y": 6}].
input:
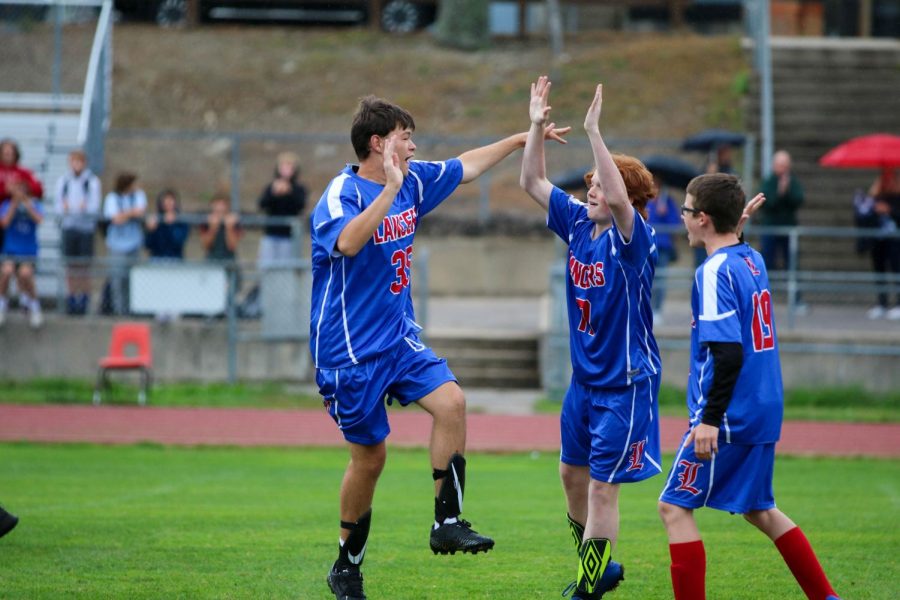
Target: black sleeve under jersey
[{"x": 728, "y": 357}]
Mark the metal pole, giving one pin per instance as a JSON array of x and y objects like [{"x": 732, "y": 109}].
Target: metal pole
[
  {"x": 236, "y": 173},
  {"x": 484, "y": 205},
  {"x": 424, "y": 286},
  {"x": 232, "y": 322},
  {"x": 793, "y": 252},
  {"x": 57, "y": 52},
  {"x": 763, "y": 41}
]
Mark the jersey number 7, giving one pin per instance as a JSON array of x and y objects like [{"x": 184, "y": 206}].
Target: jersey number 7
[{"x": 584, "y": 305}]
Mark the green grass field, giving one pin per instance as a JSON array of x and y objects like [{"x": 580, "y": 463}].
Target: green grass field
[{"x": 162, "y": 522}]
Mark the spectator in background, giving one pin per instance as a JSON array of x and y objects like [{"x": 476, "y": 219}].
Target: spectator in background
[
  {"x": 880, "y": 209},
  {"x": 10, "y": 169},
  {"x": 662, "y": 210},
  {"x": 222, "y": 231},
  {"x": 285, "y": 196},
  {"x": 720, "y": 161},
  {"x": 20, "y": 216},
  {"x": 78, "y": 202},
  {"x": 784, "y": 197},
  {"x": 166, "y": 234},
  {"x": 220, "y": 236},
  {"x": 124, "y": 207}
]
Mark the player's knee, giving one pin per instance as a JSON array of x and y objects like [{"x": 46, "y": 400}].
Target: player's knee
[
  {"x": 7, "y": 268},
  {"x": 26, "y": 271},
  {"x": 454, "y": 405},
  {"x": 370, "y": 461},
  {"x": 669, "y": 513},
  {"x": 602, "y": 493},
  {"x": 573, "y": 478}
]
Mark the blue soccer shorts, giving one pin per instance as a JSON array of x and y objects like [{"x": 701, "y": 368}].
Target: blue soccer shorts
[
  {"x": 615, "y": 431},
  {"x": 737, "y": 479},
  {"x": 355, "y": 396}
]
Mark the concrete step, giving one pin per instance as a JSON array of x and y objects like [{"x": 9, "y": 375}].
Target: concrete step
[{"x": 490, "y": 359}]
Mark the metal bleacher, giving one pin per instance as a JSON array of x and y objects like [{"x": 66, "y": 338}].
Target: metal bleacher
[{"x": 47, "y": 126}]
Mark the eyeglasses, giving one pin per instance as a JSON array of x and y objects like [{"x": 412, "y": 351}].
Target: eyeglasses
[{"x": 688, "y": 209}]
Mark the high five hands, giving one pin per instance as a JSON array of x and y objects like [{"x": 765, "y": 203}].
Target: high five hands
[
  {"x": 592, "y": 118},
  {"x": 539, "y": 111}
]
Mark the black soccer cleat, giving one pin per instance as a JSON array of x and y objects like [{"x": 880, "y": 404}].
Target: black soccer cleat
[
  {"x": 346, "y": 583},
  {"x": 451, "y": 538},
  {"x": 7, "y": 522}
]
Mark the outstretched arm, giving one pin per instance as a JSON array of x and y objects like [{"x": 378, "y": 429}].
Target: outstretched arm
[
  {"x": 361, "y": 228},
  {"x": 533, "y": 178},
  {"x": 475, "y": 162},
  {"x": 610, "y": 179}
]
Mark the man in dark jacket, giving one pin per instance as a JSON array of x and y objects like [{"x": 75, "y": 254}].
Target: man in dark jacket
[{"x": 784, "y": 196}]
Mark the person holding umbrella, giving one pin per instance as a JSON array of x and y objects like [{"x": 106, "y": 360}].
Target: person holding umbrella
[{"x": 880, "y": 209}]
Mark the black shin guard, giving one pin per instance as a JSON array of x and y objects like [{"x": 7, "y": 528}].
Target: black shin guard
[
  {"x": 577, "y": 531},
  {"x": 353, "y": 550},
  {"x": 449, "y": 502}
]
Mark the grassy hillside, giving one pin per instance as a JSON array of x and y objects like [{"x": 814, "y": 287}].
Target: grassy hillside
[{"x": 297, "y": 80}]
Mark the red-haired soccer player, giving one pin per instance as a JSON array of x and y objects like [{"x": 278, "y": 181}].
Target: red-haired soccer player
[{"x": 609, "y": 423}]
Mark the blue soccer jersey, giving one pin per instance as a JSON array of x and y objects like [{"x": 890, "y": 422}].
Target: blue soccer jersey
[
  {"x": 362, "y": 305},
  {"x": 21, "y": 236},
  {"x": 608, "y": 296},
  {"x": 731, "y": 302}
]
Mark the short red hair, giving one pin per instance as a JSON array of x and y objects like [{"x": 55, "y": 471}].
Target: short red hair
[{"x": 638, "y": 181}]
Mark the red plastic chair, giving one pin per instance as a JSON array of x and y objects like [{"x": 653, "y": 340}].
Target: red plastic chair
[{"x": 125, "y": 335}]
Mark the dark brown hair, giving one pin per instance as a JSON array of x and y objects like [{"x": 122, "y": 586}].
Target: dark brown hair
[
  {"x": 376, "y": 117},
  {"x": 721, "y": 197},
  {"x": 123, "y": 182}
]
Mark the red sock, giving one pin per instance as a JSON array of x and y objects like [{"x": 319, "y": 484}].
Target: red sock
[
  {"x": 802, "y": 562},
  {"x": 688, "y": 570}
]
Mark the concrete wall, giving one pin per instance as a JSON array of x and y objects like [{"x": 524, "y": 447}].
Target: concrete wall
[
  {"x": 182, "y": 350},
  {"x": 485, "y": 266},
  {"x": 196, "y": 350}
]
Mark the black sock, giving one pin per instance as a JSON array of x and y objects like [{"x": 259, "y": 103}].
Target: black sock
[
  {"x": 353, "y": 550},
  {"x": 448, "y": 503}
]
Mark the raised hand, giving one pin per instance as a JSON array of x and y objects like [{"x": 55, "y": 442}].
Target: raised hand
[
  {"x": 538, "y": 109},
  {"x": 552, "y": 132},
  {"x": 592, "y": 118},
  {"x": 392, "y": 172},
  {"x": 749, "y": 210}
]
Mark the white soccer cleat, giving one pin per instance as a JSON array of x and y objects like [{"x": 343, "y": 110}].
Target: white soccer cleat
[
  {"x": 876, "y": 312},
  {"x": 35, "y": 318},
  {"x": 894, "y": 314}
]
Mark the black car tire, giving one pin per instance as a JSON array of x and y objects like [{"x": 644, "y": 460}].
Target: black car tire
[
  {"x": 401, "y": 16},
  {"x": 171, "y": 13}
]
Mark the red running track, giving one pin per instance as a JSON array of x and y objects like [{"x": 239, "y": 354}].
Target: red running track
[{"x": 251, "y": 427}]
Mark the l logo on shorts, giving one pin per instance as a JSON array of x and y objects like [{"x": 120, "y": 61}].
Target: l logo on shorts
[
  {"x": 636, "y": 460},
  {"x": 688, "y": 477}
]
